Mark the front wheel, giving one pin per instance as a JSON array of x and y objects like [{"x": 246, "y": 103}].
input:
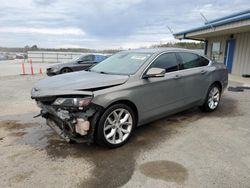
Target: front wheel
[
  {"x": 213, "y": 99},
  {"x": 65, "y": 70},
  {"x": 115, "y": 126}
]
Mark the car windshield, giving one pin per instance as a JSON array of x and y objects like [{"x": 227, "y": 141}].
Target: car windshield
[{"x": 126, "y": 63}]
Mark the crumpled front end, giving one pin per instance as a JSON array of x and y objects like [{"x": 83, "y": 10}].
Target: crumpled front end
[
  {"x": 73, "y": 118},
  {"x": 66, "y": 102}
]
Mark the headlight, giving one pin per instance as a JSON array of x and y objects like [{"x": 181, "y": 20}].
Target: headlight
[{"x": 72, "y": 102}]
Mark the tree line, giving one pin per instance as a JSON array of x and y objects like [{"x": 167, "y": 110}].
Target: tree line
[{"x": 188, "y": 45}]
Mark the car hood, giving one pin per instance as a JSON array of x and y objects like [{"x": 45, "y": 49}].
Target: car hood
[{"x": 76, "y": 83}]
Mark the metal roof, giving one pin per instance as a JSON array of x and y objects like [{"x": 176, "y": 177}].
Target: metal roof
[
  {"x": 240, "y": 16},
  {"x": 159, "y": 50}
]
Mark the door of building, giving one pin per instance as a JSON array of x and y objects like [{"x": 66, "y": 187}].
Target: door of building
[{"x": 230, "y": 46}]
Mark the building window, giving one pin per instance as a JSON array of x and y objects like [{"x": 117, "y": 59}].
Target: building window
[{"x": 216, "y": 51}]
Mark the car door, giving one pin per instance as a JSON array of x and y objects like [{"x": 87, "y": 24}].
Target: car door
[
  {"x": 193, "y": 74},
  {"x": 162, "y": 95},
  {"x": 86, "y": 62}
]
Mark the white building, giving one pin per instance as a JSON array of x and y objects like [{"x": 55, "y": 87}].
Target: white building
[{"x": 227, "y": 40}]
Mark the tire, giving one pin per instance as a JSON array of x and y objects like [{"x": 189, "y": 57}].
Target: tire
[
  {"x": 110, "y": 131},
  {"x": 212, "y": 99},
  {"x": 65, "y": 70}
]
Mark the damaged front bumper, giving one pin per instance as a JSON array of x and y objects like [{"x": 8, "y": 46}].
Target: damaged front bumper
[{"x": 71, "y": 124}]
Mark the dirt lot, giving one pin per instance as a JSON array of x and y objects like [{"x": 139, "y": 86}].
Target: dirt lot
[{"x": 190, "y": 149}]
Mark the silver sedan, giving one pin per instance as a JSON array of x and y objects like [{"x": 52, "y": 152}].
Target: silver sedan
[{"x": 128, "y": 89}]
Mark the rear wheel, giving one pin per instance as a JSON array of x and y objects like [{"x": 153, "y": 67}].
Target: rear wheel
[
  {"x": 66, "y": 70},
  {"x": 213, "y": 99},
  {"x": 115, "y": 126}
]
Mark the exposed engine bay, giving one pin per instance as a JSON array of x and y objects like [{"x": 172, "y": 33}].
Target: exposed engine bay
[{"x": 72, "y": 118}]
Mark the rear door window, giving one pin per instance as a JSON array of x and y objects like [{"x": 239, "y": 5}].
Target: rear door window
[
  {"x": 88, "y": 58},
  {"x": 203, "y": 61},
  {"x": 167, "y": 61},
  {"x": 190, "y": 60}
]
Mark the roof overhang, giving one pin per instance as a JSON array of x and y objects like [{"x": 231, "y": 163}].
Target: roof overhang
[{"x": 221, "y": 27}]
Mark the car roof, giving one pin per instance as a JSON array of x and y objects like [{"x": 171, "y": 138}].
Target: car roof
[
  {"x": 95, "y": 54},
  {"x": 160, "y": 50}
]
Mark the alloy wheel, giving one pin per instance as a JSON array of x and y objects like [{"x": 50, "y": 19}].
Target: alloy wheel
[
  {"x": 213, "y": 98},
  {"x": 118, "y": 126},
  {"x": 66, "y": 70}
]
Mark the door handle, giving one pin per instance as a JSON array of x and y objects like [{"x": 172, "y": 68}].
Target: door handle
[
  {"x": 203, "y": 72},
  {"x": 177, "y": 76}
]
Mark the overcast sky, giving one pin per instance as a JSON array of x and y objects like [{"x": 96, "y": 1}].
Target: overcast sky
[{"x": 104, "y": 24}]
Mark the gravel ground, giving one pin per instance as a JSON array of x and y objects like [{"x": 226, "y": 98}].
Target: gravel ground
[{"x": 189, "y": 149}]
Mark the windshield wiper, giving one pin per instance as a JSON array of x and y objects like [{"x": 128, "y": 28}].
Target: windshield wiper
[{"x": 102, "y": 72}]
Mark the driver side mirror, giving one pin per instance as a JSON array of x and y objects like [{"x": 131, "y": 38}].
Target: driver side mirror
[{"x": 155, "y": 72}]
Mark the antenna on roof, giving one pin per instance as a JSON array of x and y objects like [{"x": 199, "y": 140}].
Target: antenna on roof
[
  {"x": 206, "y": 21},
  {"x": 171, "y": 31}
]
